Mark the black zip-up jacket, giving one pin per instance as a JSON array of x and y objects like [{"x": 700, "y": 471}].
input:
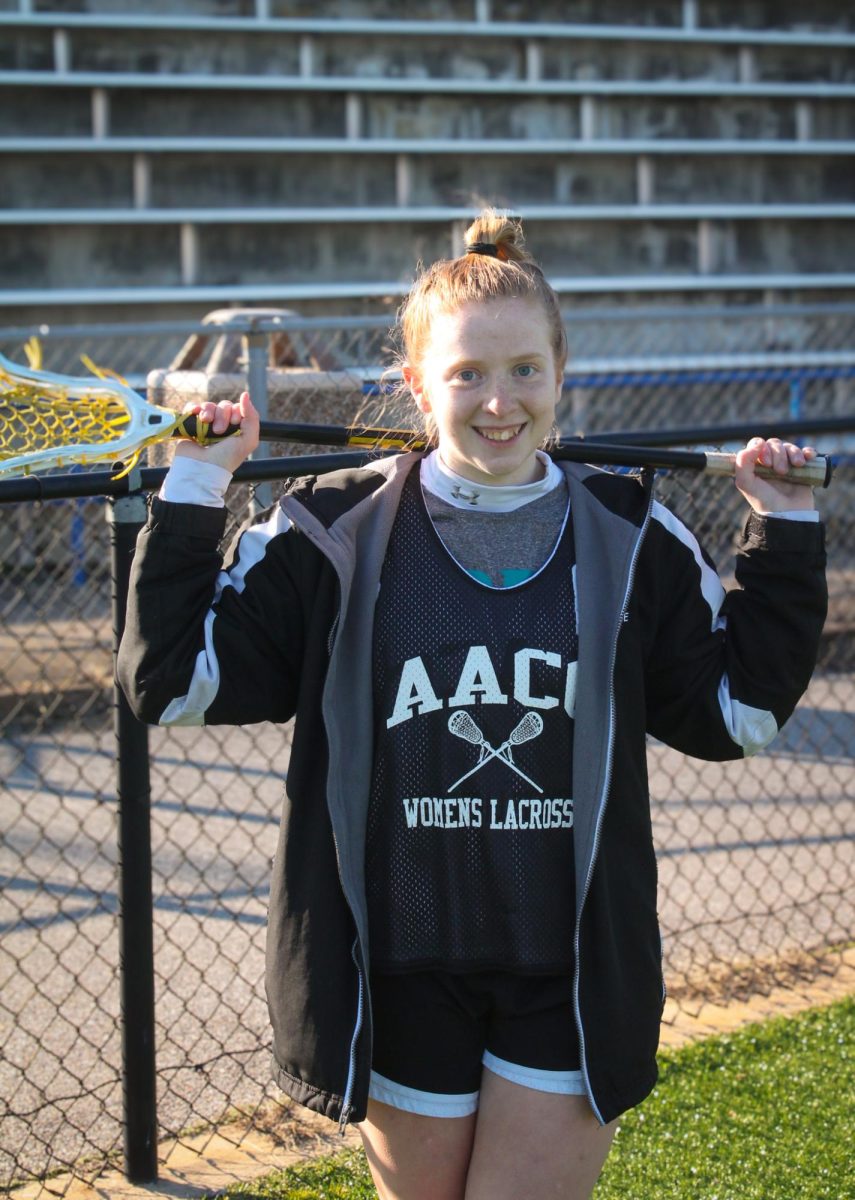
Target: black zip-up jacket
[{"x": 288, "y": 630}]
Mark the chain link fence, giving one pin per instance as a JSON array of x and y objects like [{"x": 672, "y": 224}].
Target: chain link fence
[{"x": 755, "y": 857}]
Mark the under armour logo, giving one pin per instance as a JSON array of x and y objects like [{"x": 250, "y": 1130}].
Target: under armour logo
[
  {"x": 461, "y": 725},
  {"x": 460, "y": 493}
]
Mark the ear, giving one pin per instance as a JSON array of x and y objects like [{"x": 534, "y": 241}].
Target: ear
[{"x": 415, "y": 383}]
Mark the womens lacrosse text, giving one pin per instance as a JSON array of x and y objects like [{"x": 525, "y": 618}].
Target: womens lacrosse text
[{"x": 467, "y": 812}]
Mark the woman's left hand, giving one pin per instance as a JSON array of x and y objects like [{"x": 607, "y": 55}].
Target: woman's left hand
[{"x": 773, "y": 495}]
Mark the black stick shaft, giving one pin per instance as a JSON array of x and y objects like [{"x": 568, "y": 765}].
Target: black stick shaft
[
  {"x": 410, "y": 439},
  {"x": 590, "y": 450},
  {"x": 105, "y": 483},
  {"x": 595, "y": 450}
]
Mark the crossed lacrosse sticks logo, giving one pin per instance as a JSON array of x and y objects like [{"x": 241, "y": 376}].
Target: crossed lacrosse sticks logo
[{"x": 461, "y": 725}]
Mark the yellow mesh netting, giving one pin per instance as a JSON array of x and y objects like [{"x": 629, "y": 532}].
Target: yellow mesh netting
[
  {"x": 31, "y": 421},
  {"x": 49, "y": 420}
]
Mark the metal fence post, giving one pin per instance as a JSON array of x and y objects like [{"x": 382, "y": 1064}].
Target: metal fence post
[
  {"x": 257, "y": 354},
  {"x": 136, "y": 941}
]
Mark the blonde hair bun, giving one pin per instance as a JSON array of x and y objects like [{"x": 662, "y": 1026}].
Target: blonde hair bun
[{"x": 501, "y": 230}]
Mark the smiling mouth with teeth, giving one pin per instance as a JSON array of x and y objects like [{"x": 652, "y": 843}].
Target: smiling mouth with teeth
[{"x": 499, "y": 435}]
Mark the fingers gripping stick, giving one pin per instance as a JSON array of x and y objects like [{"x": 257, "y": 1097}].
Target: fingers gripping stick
[
  {"x": 200, "y": 431},
  {"x": 815, "y": 473}
]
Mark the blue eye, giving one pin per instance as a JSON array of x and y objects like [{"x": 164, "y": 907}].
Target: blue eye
[
  {"x": 467, "y": 375},
  {"x": 526, "y": 370}
]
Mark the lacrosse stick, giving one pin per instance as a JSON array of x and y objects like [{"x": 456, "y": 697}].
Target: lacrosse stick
[
  {"x": 461, "y": 725},
  {"x": 531, "y": 726},
  {"x": 49, "y": 420}
]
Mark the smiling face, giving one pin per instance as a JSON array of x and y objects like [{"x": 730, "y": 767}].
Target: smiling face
[{"x": 489, "y": 380}]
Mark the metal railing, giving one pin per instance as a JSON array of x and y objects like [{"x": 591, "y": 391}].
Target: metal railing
[
  {"x": 478, "y": 28},
  {"x": 150, "y": 849}
]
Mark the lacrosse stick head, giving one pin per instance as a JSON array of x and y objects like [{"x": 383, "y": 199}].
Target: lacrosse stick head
[
  {"x": 461, "y": 725},
  {"x": 529, "y": 727},
  {"x": 49, "y": 420}
]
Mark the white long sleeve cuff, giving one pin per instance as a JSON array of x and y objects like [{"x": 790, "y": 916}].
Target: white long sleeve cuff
[
  {"x": 796, "y": 514},
  {"x": 190, "y": 482}
]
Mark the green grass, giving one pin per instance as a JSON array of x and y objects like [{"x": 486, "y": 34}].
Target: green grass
[
  {"x": 344, "y": 1177},
  {"x": 764, "y": 1114},
  {"x": 767, "y": 1113}
]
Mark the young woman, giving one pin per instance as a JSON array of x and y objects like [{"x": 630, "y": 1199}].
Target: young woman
[{"x": 463, "y": 953}]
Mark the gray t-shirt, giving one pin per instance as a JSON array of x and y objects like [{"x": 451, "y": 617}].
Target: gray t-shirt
[{"x": 500, "y": 548}]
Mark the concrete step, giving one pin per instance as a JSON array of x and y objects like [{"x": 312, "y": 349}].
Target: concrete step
[
  {"x": 117, "y": 181},
  {"x": 267, "y": 258},
  {"x": 138, "y": 106},
  {"x": 372, "y": 50}
]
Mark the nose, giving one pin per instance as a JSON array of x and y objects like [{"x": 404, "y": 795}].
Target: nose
[{"x": 501, "y": 399}]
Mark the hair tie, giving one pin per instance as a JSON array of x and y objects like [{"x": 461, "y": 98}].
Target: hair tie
[{"x": 488, "y": 248}]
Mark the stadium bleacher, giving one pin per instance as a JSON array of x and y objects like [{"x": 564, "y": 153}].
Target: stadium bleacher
[{"x": 158, "y": 163}]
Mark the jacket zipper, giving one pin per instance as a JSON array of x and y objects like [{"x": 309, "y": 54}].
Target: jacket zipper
[
  {"x": 346, "y": 1106},
  {"x": 601, "y": 807},
  {"x": 332, "y": 633}
]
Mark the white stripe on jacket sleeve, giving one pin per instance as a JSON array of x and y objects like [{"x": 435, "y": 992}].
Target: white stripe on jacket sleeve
[
  {"x": 190, "y": 708},
  {"x": 712, "y": 588},
  {"x": 748, "y": 727}
]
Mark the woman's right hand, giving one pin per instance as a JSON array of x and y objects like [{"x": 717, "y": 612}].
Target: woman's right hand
[{"x": 230, "y": 452}]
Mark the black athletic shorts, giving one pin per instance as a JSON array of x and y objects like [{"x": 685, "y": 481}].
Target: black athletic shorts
[{"x": 435, "y": 1031}]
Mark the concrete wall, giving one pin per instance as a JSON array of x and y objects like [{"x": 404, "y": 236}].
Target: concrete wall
[{"x": 106, "y": 178}]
